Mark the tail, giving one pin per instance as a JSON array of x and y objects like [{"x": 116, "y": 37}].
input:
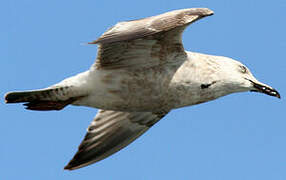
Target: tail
[{"x": 54, "y": 98}]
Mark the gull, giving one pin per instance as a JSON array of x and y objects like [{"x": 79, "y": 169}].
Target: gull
[{"x": 141, "y": 73}]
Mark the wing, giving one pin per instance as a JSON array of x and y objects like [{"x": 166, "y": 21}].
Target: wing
[
  {"x": 146, "y": 42},
  {"x": 109, "y": 132}
]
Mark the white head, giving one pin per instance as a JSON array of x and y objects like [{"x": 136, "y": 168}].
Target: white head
[{"x": 236, "y": 77}]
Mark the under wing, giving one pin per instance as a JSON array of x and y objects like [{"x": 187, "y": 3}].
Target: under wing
[{"x": 109, "y": 132}]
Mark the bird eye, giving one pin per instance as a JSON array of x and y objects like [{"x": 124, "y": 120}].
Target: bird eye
[{"x": 243, "y": 69}]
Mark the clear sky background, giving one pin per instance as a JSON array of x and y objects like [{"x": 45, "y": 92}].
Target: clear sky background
[{"x": 240, "y": 136}]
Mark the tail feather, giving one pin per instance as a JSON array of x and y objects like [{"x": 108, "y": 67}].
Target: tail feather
[
  {"x": 44, "y": 99},
  {"x": 48, "y": 105}
]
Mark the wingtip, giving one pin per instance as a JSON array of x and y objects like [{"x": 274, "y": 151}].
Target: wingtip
[
  {"x": 71, "y": 167},
  {"x": 206, "y": 11},
  {"x": 209, "y": 12},
  {"x": 201, "y": 11},
  {"x": 67, "y": 167}
]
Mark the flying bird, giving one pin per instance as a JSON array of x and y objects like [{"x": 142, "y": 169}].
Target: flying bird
[{"x": 141, "y": 73}]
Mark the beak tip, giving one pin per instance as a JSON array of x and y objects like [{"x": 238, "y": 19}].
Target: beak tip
[
  {"x": 276, "y": 93},
  {"x": 262, "y": 88}
]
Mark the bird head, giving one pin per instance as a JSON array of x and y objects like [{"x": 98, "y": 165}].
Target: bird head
[{"x": 238, "y": 78}]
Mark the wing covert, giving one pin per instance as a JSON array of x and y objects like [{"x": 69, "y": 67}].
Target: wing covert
[{"x": 152, "y": 41}]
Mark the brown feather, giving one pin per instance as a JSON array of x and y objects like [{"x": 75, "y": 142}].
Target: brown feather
[{"x": 148, "y": 42}]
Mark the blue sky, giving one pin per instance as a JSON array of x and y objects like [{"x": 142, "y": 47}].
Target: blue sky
[{"x": 240, "y": 136}]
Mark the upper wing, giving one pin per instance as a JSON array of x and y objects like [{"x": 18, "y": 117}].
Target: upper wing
[
  {"x": 109, "y": 132},
  {"x": 147, "y": 41}
]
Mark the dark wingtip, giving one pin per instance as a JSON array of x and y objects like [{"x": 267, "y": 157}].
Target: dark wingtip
[
  {"x": 67, "y": 167},
  {"x": 76, "y": 162},
  {"x": 70, "y": 166}
]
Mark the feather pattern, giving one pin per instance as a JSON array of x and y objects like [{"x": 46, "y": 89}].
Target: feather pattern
[
  {"x": 109, "y": 132},
  {"x": 146, "y": 42}
]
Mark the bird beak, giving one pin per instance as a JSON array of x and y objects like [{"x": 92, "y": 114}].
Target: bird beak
[{"x": 263, "y": 88}]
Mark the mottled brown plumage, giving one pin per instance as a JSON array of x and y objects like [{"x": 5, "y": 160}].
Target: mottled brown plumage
[
  {"x": 146, "y": 42},
  {"x": 141, "y": 73}
]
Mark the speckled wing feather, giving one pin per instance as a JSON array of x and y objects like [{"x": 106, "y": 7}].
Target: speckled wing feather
[
  {"x": 109, "y": 132},
  {"x": 147, "y": 41}
]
